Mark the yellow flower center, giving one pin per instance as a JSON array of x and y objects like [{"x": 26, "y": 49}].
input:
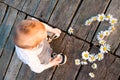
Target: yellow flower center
[
  {"x": 99, "y": 55},
  {"x": 101, "y": 17},
  {"x": 113, "y": 28},
  {"x": 94, "y": 19},
  {"x": 113, "y": 21},
  {"x": 92, "y": 58},
  {"x": 86, "y": 55},
  {"x": 108, "y": 17},
  {"x": 101, "y": 35},
  {"x": 102, "y": 42},
  {"x": 107, "y": 33},
  {"x": 89, "y": 22},
  {"x": 104, "y": 49},
  {"x": 71, "y": 30},
  {"x": 77, "y": 62}
]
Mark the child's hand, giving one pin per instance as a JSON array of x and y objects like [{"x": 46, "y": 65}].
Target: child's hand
[
  {"x": 57, "y": 31},
  {"x": 56, "y": 61}
]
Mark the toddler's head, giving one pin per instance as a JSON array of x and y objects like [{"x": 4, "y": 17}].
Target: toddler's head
[{"x": 29, "y": 33}]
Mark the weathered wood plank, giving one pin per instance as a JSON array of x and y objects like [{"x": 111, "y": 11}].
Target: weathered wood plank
[
  {"x": 87, "y": 9},
  {"x": 15, "y": 63},
  {"x": 2, "y": 11},
  {"x": 72, "y": 48},
  {"x": 114, "y": 38},
  {"x": 2, "y": 0},
  {"x": 45, "y": 9},
  {"x": 5, "y": 58},
  {"x": 8, "y": 43},
  {"x": 113, "y": 72},
  {"x": 118, "y": 51},
  {"x": 106, "y": 67},
  {"x": 15, "y": 3},
  {"x": 30, "y": 6},
  {"x": 26, "y": 74},
  {"x": 63, "y": 13},
  {"x": 13, "y": 68},
  {"x": 6, "y": 26}
]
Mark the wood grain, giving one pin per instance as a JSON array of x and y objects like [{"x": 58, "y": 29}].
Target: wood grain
[
  {"x": 15, "y": 63},
  {"x": 30, "y": 6},
  {"x": 13, "y": 69},
  {"x": 2, "y": 11},
  {"x": 6, "y": 26},
  {"x": 6, "y": 45},
  {"x": 45, "y": 9},
  {"x": 18, "y": 4},
  {"x": 63, "y": 13},
  {"x": 118, "y": 51}
]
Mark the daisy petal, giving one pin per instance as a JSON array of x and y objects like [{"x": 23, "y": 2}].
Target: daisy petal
[
  {"x": 100, "y": 35},
  {"x": 113, "y": 21},
  {"x": 91, "y": 58},
  {"x": 91, "y": 74},
  {"x": 77, "y": 62},
  {"x": 84, "y": 62},
  {"x": 100, "y": 56},
  {"x": 85, "y": 55},
  {"x": 88, "y": 22},
  {"x": 108, "y": 17},
  {"x": 105, "y": 48},
  {"x": 70, "y": 30},
  {"x": 94, "y": 66},
  {"x": 101, "y": 17}
]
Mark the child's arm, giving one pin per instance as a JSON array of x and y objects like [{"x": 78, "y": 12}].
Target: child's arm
[
  {"x": 37, "y": 67},
  {"x": 50, "y": 29},
  {"x": 53, "y": 30}
]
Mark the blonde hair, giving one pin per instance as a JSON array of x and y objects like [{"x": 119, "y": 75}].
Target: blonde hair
[{"x": 27, "y": 31}]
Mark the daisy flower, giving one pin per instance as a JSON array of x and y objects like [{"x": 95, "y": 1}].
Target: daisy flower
[
  {"x": 84, "y": 62},
  {"x": 94, "y": 18},
  {"x": 88, "y": 22},
  {"x": 85, "y": 55},
  {"x": 100, "y": 56},
  {"x": 101, "y": 17},
  {"x": 94, "y": 66},
  {"x": 113, "y": 21},
  {"x": 111, "y": 28},
  {"x": 77, "y": 62},
  {"x": 108, "y": 17},
  {"x": 91, "y": 58},
  {"x": 107, "y": 33},
  {"x": 100, "y": 35},
  {"x": 70, "y": 30},
  {"x": 105, "y": 48},
  {"x": 102, "y": 42},
  {"x": 91, "y": 74}
]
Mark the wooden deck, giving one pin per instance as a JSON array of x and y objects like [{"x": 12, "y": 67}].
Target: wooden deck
[{"x": 61, "y": 14}]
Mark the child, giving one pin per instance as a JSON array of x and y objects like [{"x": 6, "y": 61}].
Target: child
[{"x": 32, "y": 47}]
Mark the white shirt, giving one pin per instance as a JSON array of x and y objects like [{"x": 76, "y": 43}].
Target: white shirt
[{"x": 30, "y": 57}]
